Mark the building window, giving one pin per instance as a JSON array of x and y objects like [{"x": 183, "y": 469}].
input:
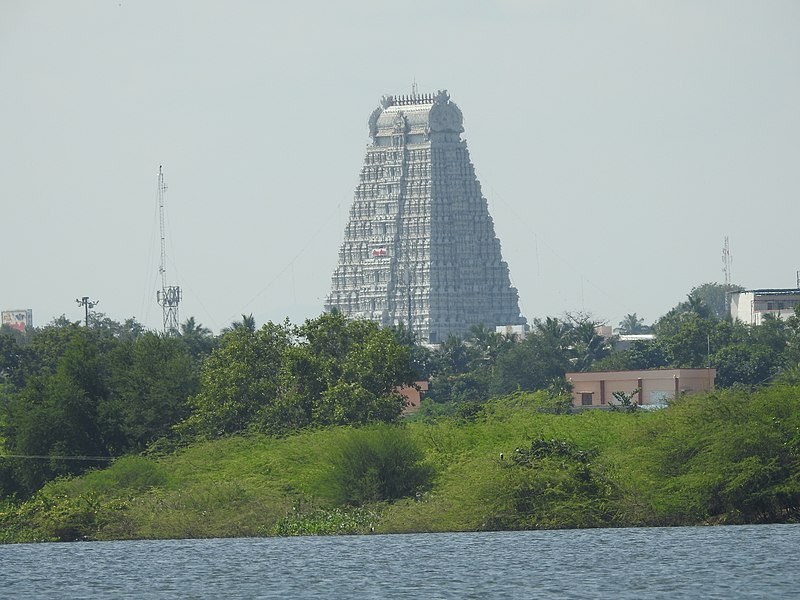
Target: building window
[{"x": 586, "y": 398}]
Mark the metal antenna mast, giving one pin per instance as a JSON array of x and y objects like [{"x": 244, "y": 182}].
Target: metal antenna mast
[
  {"x": 170, "y": 295},
  {"x": 727, "y": 260}
]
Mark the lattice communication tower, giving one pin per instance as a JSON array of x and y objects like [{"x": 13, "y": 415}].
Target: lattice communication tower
[
  {"x": 727, "y": 262},
  {"x": 169, "y": 297}
]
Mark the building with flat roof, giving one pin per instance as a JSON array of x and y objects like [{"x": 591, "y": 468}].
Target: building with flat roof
[
  {"x": 420, "y": 247},
  {"x": 652, "y": 387},
  {"x": 750, "y": 306}
]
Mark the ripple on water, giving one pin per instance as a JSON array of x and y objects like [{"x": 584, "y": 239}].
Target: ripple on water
[{"x": 688, "y": 562}]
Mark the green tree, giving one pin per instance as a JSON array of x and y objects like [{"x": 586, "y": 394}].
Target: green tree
[
  {"x": 685, "y": 335},
  {"x": 625, "y": 402},
  {"x": 346, "y": 371},
  {"x": 791, "y": 353},
  {"x": 586, "y": 345},
  {"x": 533, "y": 364},
  {"x": 422, "y": 357},
  {"x": 716, "y": 297},
  {"x": 247, "y": 323},
  {"x": 151, "y": 380},
  {"x": 197, "y": 338},
  {"x": 47, "y": 345},
  {"x": 58, "y": 415},
  {"x": 772, "y": 333},
  {"x": 487, "y": 344},
  {"x": 643, "y": 354},
  {"x": 632, "y": 324},
  {"x": 130, "y": 329},
  {"x": 553, "y": 333},
  {"x": 648, "y": 355},
  {"x": 330, "y": 370},
  {"x": 238, "y": 379},
  {"x": 455, "y": 356},
  {"x": 11, "y": 360},
  {"x": 744, "y": 364},
  {"x": 731, "y": 457},
  {"x": 487, "y": 363}
]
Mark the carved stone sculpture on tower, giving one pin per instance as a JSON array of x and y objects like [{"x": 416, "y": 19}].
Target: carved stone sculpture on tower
[{"x": 420, "y": 247}]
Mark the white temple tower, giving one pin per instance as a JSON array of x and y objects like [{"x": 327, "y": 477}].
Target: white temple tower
[{"x": 420, "y": 247}]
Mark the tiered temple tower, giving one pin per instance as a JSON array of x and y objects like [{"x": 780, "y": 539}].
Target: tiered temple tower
[{"x": 420, "y": 247}]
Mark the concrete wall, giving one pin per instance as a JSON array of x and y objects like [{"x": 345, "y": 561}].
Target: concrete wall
[{"x": 655, "y": 386}]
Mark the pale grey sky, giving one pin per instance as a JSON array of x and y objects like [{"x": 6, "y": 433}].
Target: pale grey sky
[{"x": 617, "y": 142}]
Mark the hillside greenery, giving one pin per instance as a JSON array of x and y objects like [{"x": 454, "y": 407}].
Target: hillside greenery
[
  {"x": 728, "y": 457},
  {"x": 114, "y": 431}
]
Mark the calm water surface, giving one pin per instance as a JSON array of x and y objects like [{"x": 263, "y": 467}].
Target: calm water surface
[{"x": 691, "y": 562}]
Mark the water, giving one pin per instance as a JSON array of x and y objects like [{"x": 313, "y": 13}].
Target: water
[{"x": 688, "y": 562}]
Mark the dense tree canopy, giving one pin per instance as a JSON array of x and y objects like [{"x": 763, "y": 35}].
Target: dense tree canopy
[
  {"x": 485, "y": 364},
  {"x": 71, "y": 395},
  {"x": 328, "y": 371}
]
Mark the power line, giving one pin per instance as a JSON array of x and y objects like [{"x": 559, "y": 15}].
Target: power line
[{"x": 53, "y": 456}]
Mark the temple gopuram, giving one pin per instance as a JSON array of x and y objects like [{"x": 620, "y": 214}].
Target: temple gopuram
[{"x": 420, "y": 247}]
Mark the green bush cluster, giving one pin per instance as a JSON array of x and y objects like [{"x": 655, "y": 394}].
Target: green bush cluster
[
  {"x": 51, "y": 516},
  {"x": 552, "y": 484},
  {"x": 732, "y": 456},
  {"x": 375, "y": 464}
]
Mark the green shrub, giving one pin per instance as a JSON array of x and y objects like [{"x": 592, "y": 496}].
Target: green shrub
[
  {"x": 732, "y": 456},
  {"x": 375, "y": 464},
  {"x": 132, "y": 473},
  {"x": 552, "y": 485}
]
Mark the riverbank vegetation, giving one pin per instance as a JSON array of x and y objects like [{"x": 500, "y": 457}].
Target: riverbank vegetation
[
  {"x": 110, "y": 431},
  {"x": 728, "y": 457}
]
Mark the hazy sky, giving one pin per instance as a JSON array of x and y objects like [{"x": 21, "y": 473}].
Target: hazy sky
[{"x": 617, "y": 142}]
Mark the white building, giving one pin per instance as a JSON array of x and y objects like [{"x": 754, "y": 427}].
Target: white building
[{"x": 750, "y": 306}]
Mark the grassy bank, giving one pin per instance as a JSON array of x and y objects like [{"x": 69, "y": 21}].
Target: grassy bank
[{"x": 730, "y": 457}]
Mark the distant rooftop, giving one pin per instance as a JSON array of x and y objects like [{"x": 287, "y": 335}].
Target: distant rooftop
[{"x": 771, "y": 291}]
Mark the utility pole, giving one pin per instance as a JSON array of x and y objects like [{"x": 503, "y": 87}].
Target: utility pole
[
  {"x": 170, "y": 295},
  {"x": 87, "y": 304}
]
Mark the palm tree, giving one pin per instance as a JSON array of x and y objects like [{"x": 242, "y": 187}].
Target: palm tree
[
  {"x": 696, "y": 305},
  {"x": 554, "y": 332},
  {"x": 588, "y": 346},
  {"x": 454, "y": 356},
  {"x": 632, "y": 324},
  {"x": 199, "y": 339},
  {"x": 248, "y": 323},
  {"x": 487, "y": 343},
  {"x": 190, "y": 327}
]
